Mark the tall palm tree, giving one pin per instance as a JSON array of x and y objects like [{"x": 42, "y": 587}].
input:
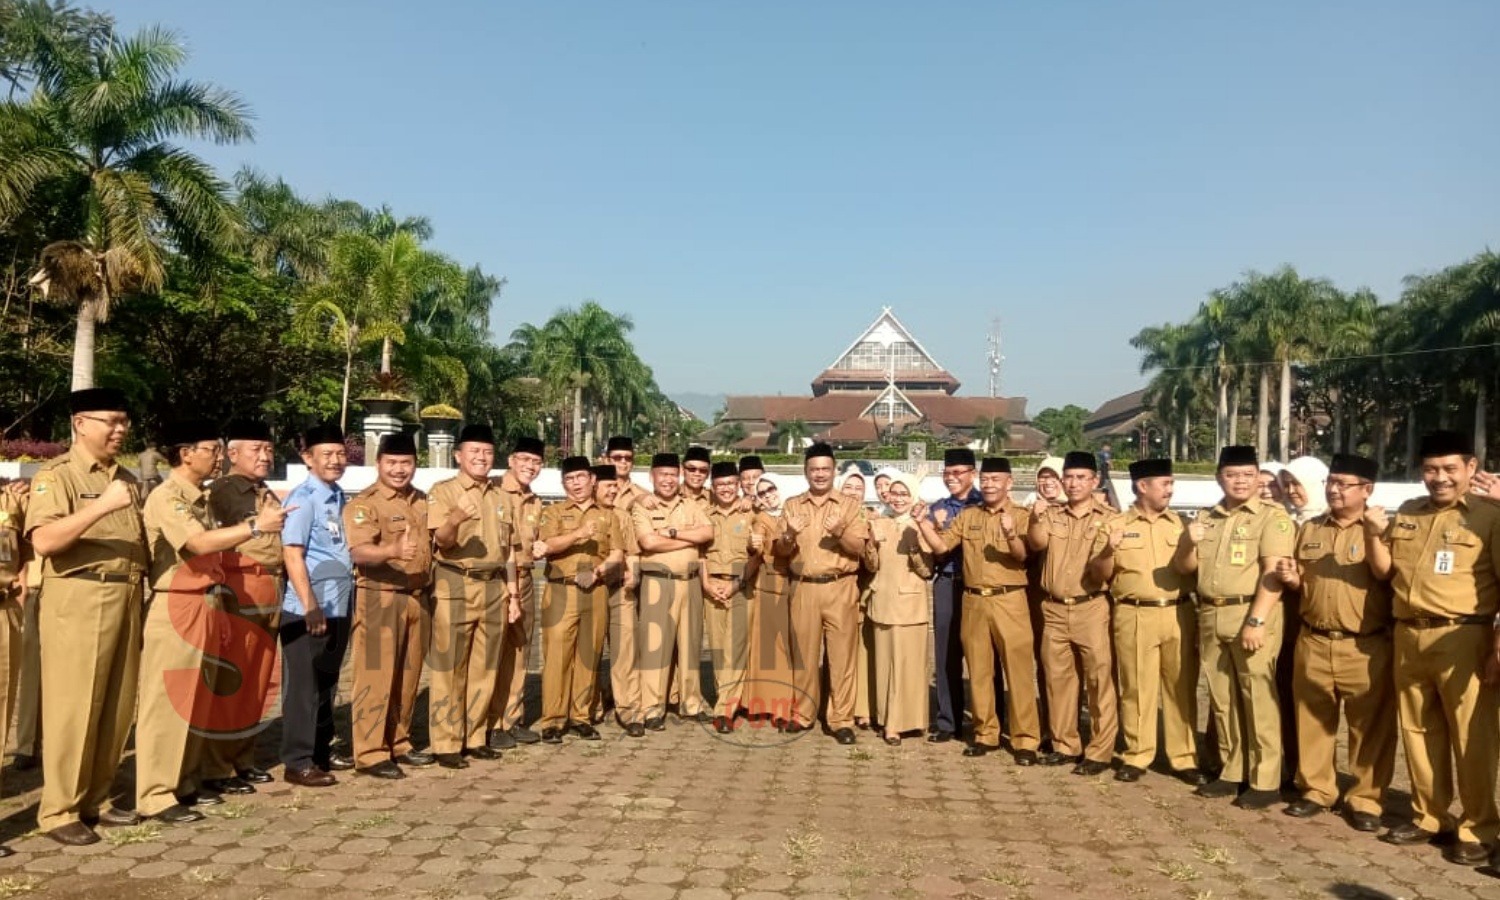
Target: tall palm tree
[
  {"x": 794, "y": 431},
  {"x": 993, "y": 431},
  {"x": 95, "y": 137},
  {"x": 284, "y": 233}
]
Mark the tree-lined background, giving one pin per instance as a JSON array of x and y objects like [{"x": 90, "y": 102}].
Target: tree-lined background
[{"x": 127, "y": 260}]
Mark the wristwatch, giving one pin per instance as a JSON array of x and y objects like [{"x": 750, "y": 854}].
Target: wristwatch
[
  {"x": 672, "y": 533},
  {"x": 1253, "y": 622},
  {"x": 254, "y": 527}
]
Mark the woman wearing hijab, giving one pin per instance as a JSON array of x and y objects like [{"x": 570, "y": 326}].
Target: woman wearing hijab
[
  {"x": 1303, "y": 484},
  {"x": 852, "y": 484},
  {"x": 897, "y": 615},
  {"x": 768, "y": 676},
  {"x": 1270, "y": 483}
]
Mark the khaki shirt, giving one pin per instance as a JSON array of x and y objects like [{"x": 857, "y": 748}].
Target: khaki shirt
[
  {"x": 773, "y": 572},
  {"x": 988, "y": 562},
  {"x": 704, "y": 499},
  {"x": 1070, "y": 545},
  {"x": 379, "y": 515},
  {"x": 628, "y": 542},
  {"x": 679, "y": 513},
  {"x": 1463, "y": 539},
  {"x": 175, "y": 512},
  {"x": 1235, "y": 542},
  {"x": 1143, "y": 561},
  {"x": 730, "y": 550},
  {"x": 12, "y": 516},
  {"x": 819, "y": 553},
  {"x": 525, "y": 510},
  {"x": 115, "y": 544},
  {"x": 235, "y": 498},
  {"x": 483, "y": 544},
  {"x": 628, "y": 493},
  {"x": 1339, "y": 593},
  {"x": 561, "y": 518},
  {"x": 898, "y": 593}
]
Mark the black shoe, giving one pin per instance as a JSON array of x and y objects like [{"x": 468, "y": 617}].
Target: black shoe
[
  {"x": 552, "y": 735},
  {"x": 1026, "y": 757},
  {"x": 1053, "y": 758},
  {"x": 1090, "y": 767},
  {"x": 586, "y": 731},
  {"x": 722, "y": 725},
  {"x": 659, "y": 723},
  {"x": 74, "y": 834},
  {"x": 701, "y": 717},
  {"x": 178, "y": 814},
  {"x": 416, "y": 759},
  {"x": 977, "y": 750},
  {"x": 844, "y": 736},
  {"x": 1194, "y": 777},
  {"x": 6, "y": 852},
  {"x": 1303, "y": 808},
  {"x": 1362, "y": 821},
  {"x": 1257, "y": 799},
  {"x": 115, "y": 817},
  {"x": 635, "y": 729},
  {"x": 202, "y": 798},
  {"x": 386, "y": 769},
  {"x": 25, "y": 762},
  {"x": 452, "y": 761},
  {"x": 940, "y": 737},
  {"x": 232, "y": 785},
  {"x": 1130, "y": 774},
  {"x": 523, "y": 735},
  {"x": 1408, "y": 833},
  {"x": 255, "y": 775},
  {"x": 482, "y": 752},
  {"x": 1217, "y": 789},
  {"x": 1466, "y": 853},
  {"x": 339, "y": 762},
  {"x": 796, "y": 728},
  {"x": 500, "y": 739}
]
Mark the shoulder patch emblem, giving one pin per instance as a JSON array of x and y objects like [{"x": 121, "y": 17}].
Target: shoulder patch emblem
[
  {"x": 360, "y": 516},
  {"x": 1283, "y": 525},
  {"x": 41, "y": 485}
]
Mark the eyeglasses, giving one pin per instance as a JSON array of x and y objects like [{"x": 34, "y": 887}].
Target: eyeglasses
[
  {"x": 1341, "y": 486},
  {"x": 206, "y": 448},
  {"x": 954, "y": 473},
  {"x": 121, "y": 422},
  {"x": 621, "y": 457},
  {"x": 765, "y": 492},
  {"x": 696, "y": 470}
]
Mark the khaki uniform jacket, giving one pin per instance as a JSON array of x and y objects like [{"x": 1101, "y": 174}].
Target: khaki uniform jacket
[
  {"x": 12, "y": 518},
  {"x": 819, "y": 553},
  {"x": 679, "y": 513},
  {"x": 988, "y": 562},
  {"x": 525, "y": 510},
  {"x": 115, "y": 544},
  {"x": 730, "y": 550},
  {"x": 1445, "y": 560},
  {"x": 1234, "y": 543},
  {"x": 561, "y": 518},
  {"x": 1339, "y": 593},
  {"x": 379, "y": 515},
  {"x": 1143, "y": 561},
  {"x": 1070, "y": 546},
  {"x": 175, "y": 512},
  {"x": 483, "y": 544},
  {"x": 898, "y": 594}
]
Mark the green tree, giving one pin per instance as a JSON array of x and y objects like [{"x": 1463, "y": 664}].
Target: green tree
[
  {"x": 993, "y": 432},
  {"x": 794, "y": 432},
  {"x": 1063, "y": 427},
  {"x": 730, "y": 434}
]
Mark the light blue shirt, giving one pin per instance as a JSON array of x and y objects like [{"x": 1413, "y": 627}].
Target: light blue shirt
[{"x": 317, "y": 524}]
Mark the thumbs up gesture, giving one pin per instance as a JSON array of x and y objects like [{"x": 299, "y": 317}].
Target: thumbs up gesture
[
  {"x": 408, "y": 546},
  {"x": 1195, "y": 531},
  {"x": 1376, "y": 520}
]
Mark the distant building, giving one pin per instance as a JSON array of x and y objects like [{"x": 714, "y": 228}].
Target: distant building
[{"x": 882, "y": 385}]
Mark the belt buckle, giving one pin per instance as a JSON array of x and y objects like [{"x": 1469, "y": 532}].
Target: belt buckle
[{"x": 1338, "y": 635}]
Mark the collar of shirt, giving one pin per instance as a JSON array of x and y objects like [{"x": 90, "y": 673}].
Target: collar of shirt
[
  {"x": 469, "y": 484},
  {"x": 511, "y": 485},
  {"x": 585, "y": 506},
  {"x": 1135, "y": 513},
  {"x": 87, "y": 463},
  {"x": 1250, "y": 507},
  {"x": 192, "y": 491},
  {"x": 322, "y": 491},
  {"x": 236, "y": 482},
  {"x": 390, "y": 493},
  {"x": 1428, "y": 506},
  {"x": 731, "y": 509}
]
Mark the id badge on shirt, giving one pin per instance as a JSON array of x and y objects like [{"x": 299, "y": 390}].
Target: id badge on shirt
[
  {"x": 1237, "y": 554},
  {"x": 1442, "y": 564},
  {"x": 335, "y": 531}
]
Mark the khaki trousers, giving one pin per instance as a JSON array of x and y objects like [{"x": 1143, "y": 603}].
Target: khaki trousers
[
  {"x": 507, "y": 706},
  {"x": 574, "y": 624},
  {"x": 825, "y": 614},
  {"x": 662, "y": 629},
  {"x": 389, "y": 637},
  {"x": 91, "y": 654},
  {"x": 728, "y": 631},
  {"x": 691, "y": 636},
  {"x": 253, "y": 670},
  {"x": 11, "y": 652},
  {"x": 624, "y": 680},
  {"x": 864, "y": 669},
  {"x": 1450, "y": 727},
  {"x": 1242, "y": 694},
  {"x": 468, "y": 627},
  {"x": 899, "y": 698},
  {"x": 29, "y": 690},
  {"x": 1156, "y": 657},
  {"x": 769, "y": 680},
  {"x": 1001, "y": 624},
  {"x": 1356, "y": 672},
  {"x": 1074, "y": 635},
  {"x": 176, "y": 698}
]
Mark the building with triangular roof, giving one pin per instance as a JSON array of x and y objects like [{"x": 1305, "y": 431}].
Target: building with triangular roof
[{"x": 882, "y": 384}]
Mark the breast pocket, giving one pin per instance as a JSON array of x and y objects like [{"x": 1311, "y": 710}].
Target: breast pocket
[{"x": 1312, "y": 551}]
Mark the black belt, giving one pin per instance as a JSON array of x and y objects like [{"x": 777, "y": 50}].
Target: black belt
[
  {"x": 1339, "y": 635},
  {"x": 994, "y": 591},
  {"x": 821, "y": 579},
  {"x": 1159, "y": 603},
  {"x": 1444, "y": 621},
  {"x": 1224, "y": 601},
  {"x": 722, "y": 575},
  {"x": 658, "y": 573},
  {"x": 485, "y": 575},
  {"x": 1074, "y": 601},
  {"x": 102, "y": 577}
]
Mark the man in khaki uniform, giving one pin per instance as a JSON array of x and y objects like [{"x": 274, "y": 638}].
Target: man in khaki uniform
[
  {"x": 392, "y": 552},
  {"x": 1445, "y": 556},
  {"x": 29, "y": 687},
  {"x": 624, "y": 680},
  {"x": 728, "y": 577},
  {"x": 620, "y": 452},
  {"x": 584, "y": 549},
  {"x": 1155, "y": 629},
  {"x": 524, "y": 510},
  {"x": 696, "y": 464},
  {"x": 12, "y": 589},
  {"x": 475, "y": 597},
  {"x": 823, "y": 540},
  {"x": 1233, "y": 549},
  {"x": 750, "y": 469},
  {"x": 1075, "y": 615},
  {"x": 256, "y": 577},
  {"x": 84, "y": 520},
  {"x": 1343, "y": 651},
  {"x": 670, "y": 534},
  {"x": 996, "y": 617},
  {"x": 178, "y": 705}
]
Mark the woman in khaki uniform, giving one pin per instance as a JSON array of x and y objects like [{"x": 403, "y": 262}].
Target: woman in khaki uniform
[
  {"x": 897, "y": 615},
  {"x": 852, "y": 484},
  {"x": 768, "y": 679}
]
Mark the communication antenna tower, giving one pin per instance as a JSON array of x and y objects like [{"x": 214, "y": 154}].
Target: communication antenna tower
[{"x": 995, "y": 358}]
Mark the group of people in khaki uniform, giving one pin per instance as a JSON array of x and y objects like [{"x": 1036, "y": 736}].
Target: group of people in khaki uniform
[{"x": 163, "y": 611}]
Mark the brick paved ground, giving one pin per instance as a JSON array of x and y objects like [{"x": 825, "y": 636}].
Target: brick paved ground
[{"x": 687, "y": 814}]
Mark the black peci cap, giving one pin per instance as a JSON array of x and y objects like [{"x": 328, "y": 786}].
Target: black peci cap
[
  {"x": 958, "y": 456},
  {"x": 1238, "y": 455},
  {"x": 751, "y": 464},
  {"x": 397, "y": 444},
  {"x": 618, "y": 443},
  {"x": 697, "y": 454},
  {"x": 666, "y": 461},
  {"x": 1080, "y": 459},
  {"x": 247, "y": 430},
  {"x": 189, "y": 431},
  {"x": 96, "y": 400},
  {"x": 724, "y": 470},
  {"x": 1445, "y": 443},
  {"x": 1359, "y": 466},
  {"x": 1150, "y": 468},
  {"x": 327, "y": 433},
  {"x": 994, "y": 464},
  {"x": 478, "y": 433},
  {"x": 529, "y": 445},
  {"x": 576, "y": 464},
  {"x": 605, "y": 472}
]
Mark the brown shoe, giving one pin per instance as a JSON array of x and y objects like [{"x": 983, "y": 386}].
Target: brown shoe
[
  {"x": 74, "y": 834},
  {"x": 312, "y": 777},
  {"x": 115, "y": 817}
]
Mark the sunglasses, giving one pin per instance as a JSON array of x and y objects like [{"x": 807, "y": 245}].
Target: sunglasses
[
  {"x": 696, "y": 470},
  {"x": 765, "y": 492},
  {"x": 621, "y": 457}
]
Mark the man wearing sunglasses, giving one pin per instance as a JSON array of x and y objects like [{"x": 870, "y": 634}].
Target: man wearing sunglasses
[
  {"x": 524, "y": 509},
  {"x": 620, "y": 453}
]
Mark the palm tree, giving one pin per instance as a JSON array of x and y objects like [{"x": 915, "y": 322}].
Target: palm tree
[
  {"x": 993, "y": 431},
  {"x": 730, "y": 433},
  {"x": 284, "y": 234},
  {"x": 94, "y": 140},
  {"x": 794, "y": 431}
]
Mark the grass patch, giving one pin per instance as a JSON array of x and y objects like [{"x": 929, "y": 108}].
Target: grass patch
[
  {"x": 290, "y": 867},
  {"x": 16, "y": 886},
  {"x": 1008, "y": 876},
  {"x": 251, "y": 830},
  {"x": 144, "y": 833},
  {"x": 374, "y": 821},
  {"x": 297, "y": 801},
  {"x": 1215, "y": 856},
  {"x": 803, "y": 844},
  {"x": 203, "y": 876},
  {"x": 1177, "y": 871},
  {"x": 232, "y": 811},
  {"x": 860, "y": 754}
]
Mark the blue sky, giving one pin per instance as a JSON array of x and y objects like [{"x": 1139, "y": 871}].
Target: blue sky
[{"x": 751, "y": 182}]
